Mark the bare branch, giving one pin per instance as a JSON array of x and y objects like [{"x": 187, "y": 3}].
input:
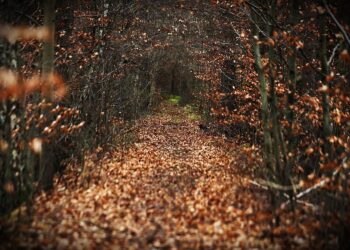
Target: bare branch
[
  {"x": 337, "y": 22},
  {"x": 333, "y": 54}
]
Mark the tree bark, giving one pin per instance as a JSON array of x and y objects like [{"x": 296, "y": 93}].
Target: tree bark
[
  {"x": 49, "y": 49},
  {"x": 263, "y": 91},
  {"x": 47, "y": 168},
  {"x": 292, "y": 84},
  {"x": 325, "y": 70}
]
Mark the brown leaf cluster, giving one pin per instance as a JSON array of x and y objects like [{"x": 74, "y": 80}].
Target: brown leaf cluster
[{"x": 175, "y": 188}]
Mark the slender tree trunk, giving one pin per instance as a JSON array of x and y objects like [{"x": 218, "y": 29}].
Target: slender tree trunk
[
  {"x": 274, "y": 112},
  {"x": 47, "y": 168},
  {"x": 327, "y": 131},
  {"x": 9, "y": 112},
  {"x": 292, "y": 83},
  {"x": 152, "y": 76},
  {"x": 49, "y": 49},
  {"x": 263, "y": 92}
]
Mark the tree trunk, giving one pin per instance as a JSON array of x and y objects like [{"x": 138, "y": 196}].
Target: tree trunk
[
  {"x": 47, "y": 168},
  {"x": 49, "y": 49},
  {"x": 9, "y": 154},
  {"x": 327, "y": 130},
  {"x": 278, "y": 144},
  {"x": 263, "y": 92},
  {"x": 292, "y": 80}
]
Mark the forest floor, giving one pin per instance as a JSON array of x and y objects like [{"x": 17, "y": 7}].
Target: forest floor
[{"x": 175, "y": 187}]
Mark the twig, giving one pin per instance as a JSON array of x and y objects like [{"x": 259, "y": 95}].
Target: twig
[
  {"x": 29, "y": 17},
  {"x": 249, "y": 15},
  {"x": 258, "y": 184},
  {"x": 226, "y": 75},
  {"x": 285, "y": 195},
  {"x": 308, "y": 204},
  {"x": 312, "y": 66},
  {"x": 336, "y": 22},
  {"x": 268, "y": 184},
  {"x": 314, "y": 187},
  {"x": 305, "y": 192},
  {"x": 239, "y": 39},
  {"x": 333, "y": 54},
  {"x": 279, "y": 187}
]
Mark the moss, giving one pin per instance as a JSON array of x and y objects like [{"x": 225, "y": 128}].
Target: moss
[
  {"x": 174, "y": 99},
  {"x": 192, "y": 112}
]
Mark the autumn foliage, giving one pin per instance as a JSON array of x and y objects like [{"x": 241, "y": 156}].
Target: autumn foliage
[{"x": 250, "y": 151}]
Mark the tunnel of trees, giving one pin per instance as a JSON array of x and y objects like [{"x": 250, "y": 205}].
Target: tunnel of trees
[{"x": 273, "y": 76}]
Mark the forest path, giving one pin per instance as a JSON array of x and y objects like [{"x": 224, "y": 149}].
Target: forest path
[{"x": 174, "y": 188}]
